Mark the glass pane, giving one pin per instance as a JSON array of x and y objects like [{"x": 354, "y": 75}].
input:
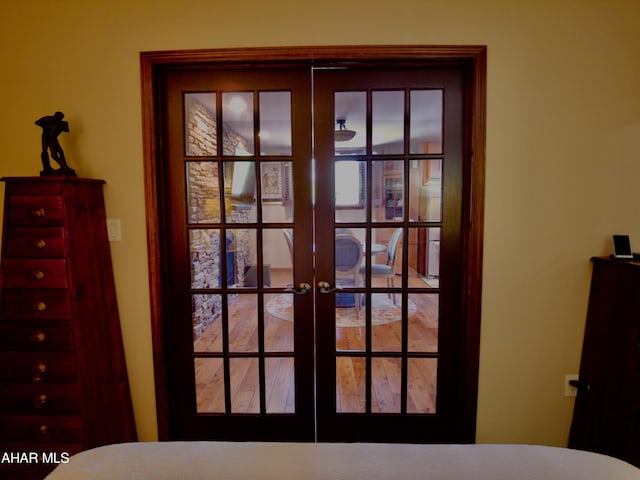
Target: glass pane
[
  {"x": 240, "y": 192},
  {"x": 207, "y": 322},
  {"x": 422, "y": 335},
  {"x": 422, "y": 384},
  {"x": 241, "y": 258},
  {"x": 350, "y": 323},
  {"x": 275, "y": 123},
  {"x": 394, "y": 197},
  {"x": 204, "y": 250},
  {"x": 386, "y": 385},
  {"x": 388, "y": 197},
  {"x": 243, "y": 323},
  {"x": 209, "y": 385},
  {"x": 351, "y": 123},
  {"x": 350, "y": 385},
  {"x": 388, "y": 123},
  {"x": 280, "y": 385},
  {"x": 349, "y": 255},
  {"x": 276, "y": 187},
  {"x": 426, "y": 121},
  {"x": 426, "y": 191},
  {"x": 277, "y": 257},
  {"x": 203, "y": 192},
  {"x": 237, "y": 124},
  {"x": 350, "y": 191},
  {"x": 424, "y": 257},
  {"x": 386, "y": 322},
  {"x": 386, "y": 260},
  {"x": 377, "y": 191},
  {"x": 245, "y": 385},
  {"x": 201, "y": 134},
  {"x": 278, "y": 322}
]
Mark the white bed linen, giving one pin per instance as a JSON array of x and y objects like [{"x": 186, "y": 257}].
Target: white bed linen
[{"x": 335, "y": 461}]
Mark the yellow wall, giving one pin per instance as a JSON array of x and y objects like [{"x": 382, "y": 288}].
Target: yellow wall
[{"x": 563, "y": 151}]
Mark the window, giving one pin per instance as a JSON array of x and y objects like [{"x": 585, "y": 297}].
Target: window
[{"x": 349, "y": 186}]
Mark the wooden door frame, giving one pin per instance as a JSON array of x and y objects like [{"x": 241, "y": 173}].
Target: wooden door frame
[{"x": 472, "y": 58}]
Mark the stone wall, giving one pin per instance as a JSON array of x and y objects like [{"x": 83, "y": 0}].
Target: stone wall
[
  {"x": 206, "y": 268},
  {"x": 204, "y": 207},
  {"x": 202, "y": 134},
  {"x": 203, "y": 192}
]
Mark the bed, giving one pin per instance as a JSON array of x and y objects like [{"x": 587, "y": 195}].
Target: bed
[{"x": 336, "y": 461}]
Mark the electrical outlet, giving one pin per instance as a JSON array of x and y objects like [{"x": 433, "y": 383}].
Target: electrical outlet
[
  {"x": 570, "y": 390},
  {"x": 113, "y": 230}
]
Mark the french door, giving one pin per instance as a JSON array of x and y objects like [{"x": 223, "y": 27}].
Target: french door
[
  {"x": 311, "y": 252},
  {"x": 391, "y": 374}
]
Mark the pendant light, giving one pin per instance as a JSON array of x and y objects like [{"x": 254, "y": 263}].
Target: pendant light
[{"x": 342, "y": 134}]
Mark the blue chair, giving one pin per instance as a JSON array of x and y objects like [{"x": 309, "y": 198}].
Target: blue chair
[
  {"x": 288, "y": 236},
  {"x": 348, "y": 257},
  {"x": 388, "y": 270}
]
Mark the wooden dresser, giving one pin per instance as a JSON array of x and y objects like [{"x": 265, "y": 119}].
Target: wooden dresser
[
  {"x": 606, "y": 417},
  {"x": 63, "y": 380}
]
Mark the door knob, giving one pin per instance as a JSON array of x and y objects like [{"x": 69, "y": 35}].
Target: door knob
[
  {"x": 302, "y": 289},
  {"x": 325, "y": 287}
]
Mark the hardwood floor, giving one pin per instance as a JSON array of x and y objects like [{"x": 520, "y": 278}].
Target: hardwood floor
[{"x": 386, "y": 370}]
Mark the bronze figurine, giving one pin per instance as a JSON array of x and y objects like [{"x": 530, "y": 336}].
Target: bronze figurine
[{"x": 52, "y": 126}]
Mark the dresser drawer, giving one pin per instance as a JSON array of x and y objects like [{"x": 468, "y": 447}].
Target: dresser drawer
[
  {"x": 25, "y": 398},
  {"x": 35, "y": 242},
  {"x": 38, "y": 367},
  {"x": 35, "y": 304},
  {"x": 35, "y": 210},
  {"x": 33, "y": 186},
  {"x": 50, "y": 336},
  {"x": 40, "y": 428},
  {"x": 39, "y": 398},
  {"x": 36, "y": 273}
]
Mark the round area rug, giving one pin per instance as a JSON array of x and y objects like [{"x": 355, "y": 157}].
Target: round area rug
[{"x": 383, "y": 311}]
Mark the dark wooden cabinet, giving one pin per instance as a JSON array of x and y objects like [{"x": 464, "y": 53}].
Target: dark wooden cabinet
[
  {"x": 63, "y": 380},
  {"x": 606, "y": 417}
]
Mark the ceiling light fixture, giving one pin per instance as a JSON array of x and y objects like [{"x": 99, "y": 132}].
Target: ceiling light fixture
[
  {"x": 237, "y": 105},
  {"x": 343, "y": 134}
]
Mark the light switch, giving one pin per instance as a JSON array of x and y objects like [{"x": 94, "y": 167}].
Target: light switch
[
  {"x": 570, "y": 390},
  {"x": 113, "y": 230}
]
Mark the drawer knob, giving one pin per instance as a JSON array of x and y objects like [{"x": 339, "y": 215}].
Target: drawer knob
[
  {"x": 38, "y": 372},
  {"x": 40, "y": 306},
  {"x": 43, "y": 429},
  {"x": 36, "y": 275},
  {"x": 38, "y": 337},
  {"x": 39, "y": 400},
  {"x": 37, "y": 212},
  {"x": 40, "y": 368},
  {"x": 38, "y": 244}
]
